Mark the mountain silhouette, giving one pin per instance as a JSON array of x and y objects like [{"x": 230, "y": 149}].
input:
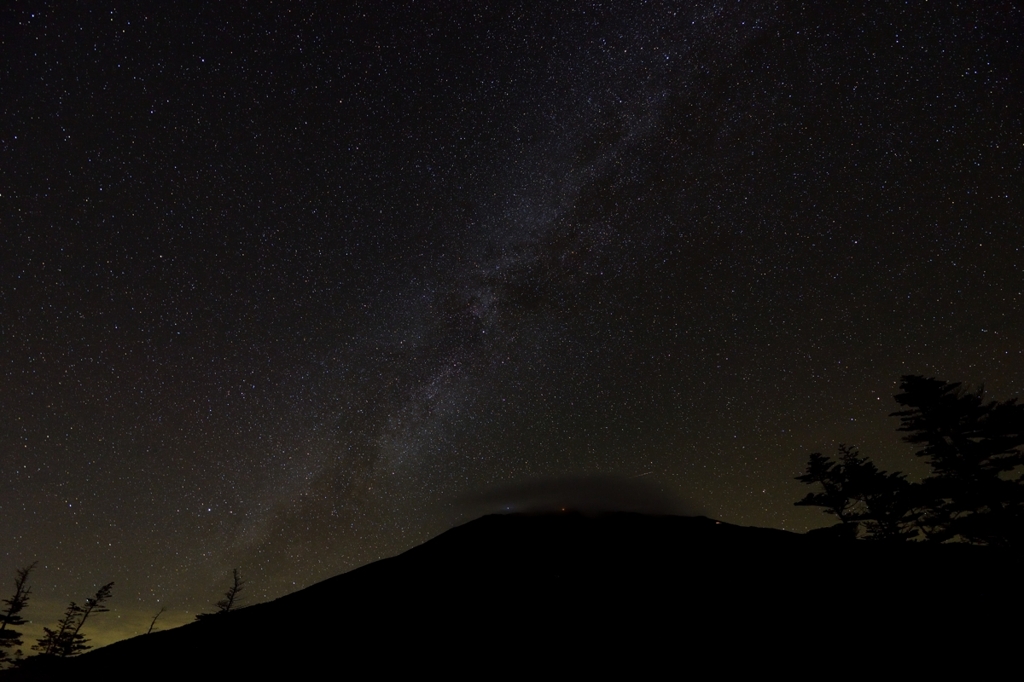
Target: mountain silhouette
[{"x": 584, "y": 592}]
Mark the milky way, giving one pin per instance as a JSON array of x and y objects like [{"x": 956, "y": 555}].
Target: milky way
[{"x": 295, "y": 289}]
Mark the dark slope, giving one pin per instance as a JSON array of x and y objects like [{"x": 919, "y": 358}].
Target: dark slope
[{"x": 592, "y": 591}]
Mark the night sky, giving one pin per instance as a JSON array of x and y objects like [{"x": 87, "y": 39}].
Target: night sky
[{"x": 296, "y": 288}]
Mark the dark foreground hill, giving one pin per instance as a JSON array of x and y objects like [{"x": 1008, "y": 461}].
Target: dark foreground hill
[{"x": 572, "y": 592}]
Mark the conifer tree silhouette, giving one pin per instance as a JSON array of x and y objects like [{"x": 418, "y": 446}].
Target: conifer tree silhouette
[
  {"x": 974, "y": 449},
  {"x": 975, "y": 492},
  {"x": 230, "y": 600},
  {"x": 871, "y": 502},
  {"x": 890, "y": 507},
  {"x": 67, "y": 639},
  {"x": 11, "y": 617},
  {"x": 842, "y": 483},
  {"x": 152, "y": 623}
]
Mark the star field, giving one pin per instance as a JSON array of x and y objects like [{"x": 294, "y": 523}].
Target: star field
[{"x": 295, "y": 288}]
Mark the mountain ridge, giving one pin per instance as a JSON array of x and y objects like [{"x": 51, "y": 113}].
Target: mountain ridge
[{"x": 577, "y": 587}]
